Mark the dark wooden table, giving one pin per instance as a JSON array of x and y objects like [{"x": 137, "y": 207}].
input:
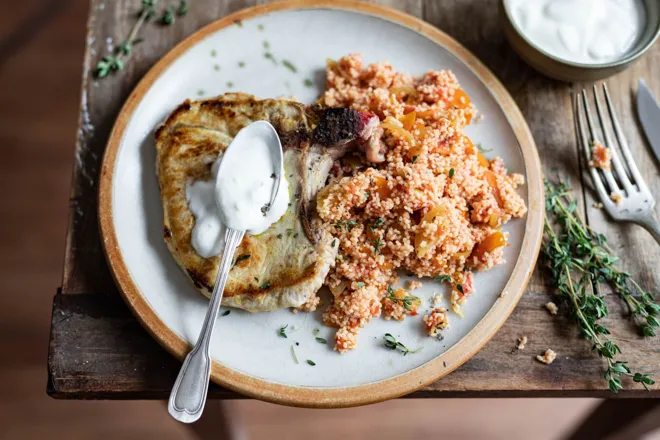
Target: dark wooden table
[{"x": 98, "y": 350}]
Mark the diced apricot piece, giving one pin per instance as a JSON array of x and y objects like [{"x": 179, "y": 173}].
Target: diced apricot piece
[
  {"x": 489, "y": 244},
  {"x": 492, "y": 181},
  {"x": 482, "y": 160},
  {"x": 381, "y": 188},
  {"x": 461, "y": 99},
  {"x": 408, "y": 120}
]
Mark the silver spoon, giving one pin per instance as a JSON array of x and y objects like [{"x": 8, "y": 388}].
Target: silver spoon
[{"x": 188, "y": 396}]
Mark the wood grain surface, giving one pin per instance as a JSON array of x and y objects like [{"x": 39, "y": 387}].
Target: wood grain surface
[{"x": 98, "y": 350}]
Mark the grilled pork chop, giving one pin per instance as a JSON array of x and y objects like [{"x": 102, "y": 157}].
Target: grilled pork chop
[{"x": 288, "y": 263}]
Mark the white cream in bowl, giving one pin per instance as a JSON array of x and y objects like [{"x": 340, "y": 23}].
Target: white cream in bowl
[{"x": 580, "y": 31}]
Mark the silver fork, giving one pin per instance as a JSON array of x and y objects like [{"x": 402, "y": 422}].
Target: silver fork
[{"x": 624, "y": 183}]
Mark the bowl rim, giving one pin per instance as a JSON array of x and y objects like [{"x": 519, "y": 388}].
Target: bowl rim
[{"x": 632, "y": 56}]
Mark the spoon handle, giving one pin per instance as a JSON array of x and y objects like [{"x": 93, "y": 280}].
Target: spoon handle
[{"x": 189, "y": 392}]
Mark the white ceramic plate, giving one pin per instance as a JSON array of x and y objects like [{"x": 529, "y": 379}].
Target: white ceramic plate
[{"x": 250, "y": 356}]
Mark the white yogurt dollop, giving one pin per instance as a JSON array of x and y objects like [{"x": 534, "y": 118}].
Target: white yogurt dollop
[
  {"x": 237, "y": 197},
  {"x": 582, "y": 31},
  {"x": 208, "y": 234},
  {"x": 243, "y": 189}
]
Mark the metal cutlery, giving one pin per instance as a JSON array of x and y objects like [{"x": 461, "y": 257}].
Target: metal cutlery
[{"x": 622, "y": 189}]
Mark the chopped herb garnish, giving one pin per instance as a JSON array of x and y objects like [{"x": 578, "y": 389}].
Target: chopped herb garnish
[
  {"x": 442, "y": 278},
  {"x": 213, "y": 52},
  {"x": 316, "y": 331},
  {"x": 334, "y": 243},
  {"x": 309, "y": 83},
  {"x": 311, "y": 363},
  {"x": 269, "y": 56},
  {"x": 282, "y": 331},
  {"x": 265, "y": 285},
  {"x": 260, "y": 27},
  {"x": 241, "y": 258},
  {"x": 266, "y": 45},
  {"x": 349, "y": 224},
  {"x": 377, "y": 223},
  {"x": 360, "y": 285},
  {"x": 230, "y": 84},
  {"x": 216, "y": 67},
  {"x": 459, "y": 287},
  {"x": 289, "y": 231},
  {"x": 293, "y": 352},
  {"x": 378, "y": 243},
  {"x": 407, "y": 301},
  {"x": 279, "y": 235},
  {"x": 393, "y": 344},
  {"x": 241, "y": 64},
  {"x": 289, "y": 66},
  {"x": 168, "y": 16},
  {"x": 451, "y": 172},
  {"x": 484, "y": 150},
  {"x": 414, "y": 159},
  {"x": 200, "y": 92},
  {"x": 183, "y": 9},
  {"x": 321, "y": 340},
  {"x": 227, "y": 312}
]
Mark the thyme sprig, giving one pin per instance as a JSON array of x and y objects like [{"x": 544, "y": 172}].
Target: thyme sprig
[
  {"x": 115, "y": 62},
  {"x": 580, "y": 260},
  {"x": 393, "y": 344}
]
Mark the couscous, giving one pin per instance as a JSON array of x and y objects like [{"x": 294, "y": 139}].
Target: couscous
[{"x": 432, "y": 205}]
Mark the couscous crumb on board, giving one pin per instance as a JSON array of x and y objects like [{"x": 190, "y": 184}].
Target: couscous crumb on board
[
  {"x": 597, "y": 205},
  {"x": 433, "y": 207},
  {"x": 552, "y": 308},
  {"x": 522, "y": 341},
  {"x": 414, "y": 284},
  {"x": 547, "y": 358}
]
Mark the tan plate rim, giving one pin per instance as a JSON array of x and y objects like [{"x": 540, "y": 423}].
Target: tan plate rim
[{"x": 375, "y": 391}]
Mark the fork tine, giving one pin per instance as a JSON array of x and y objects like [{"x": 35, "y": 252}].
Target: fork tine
[
  {"x": 614, "y": 187},
  {"x": 618, "y": 167},
  {"x": 583, "y": 144},
  {"x": 623, "y": 144}
]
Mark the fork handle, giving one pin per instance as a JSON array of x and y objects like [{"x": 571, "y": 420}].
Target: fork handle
[{"x": 651, "y": 224}]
